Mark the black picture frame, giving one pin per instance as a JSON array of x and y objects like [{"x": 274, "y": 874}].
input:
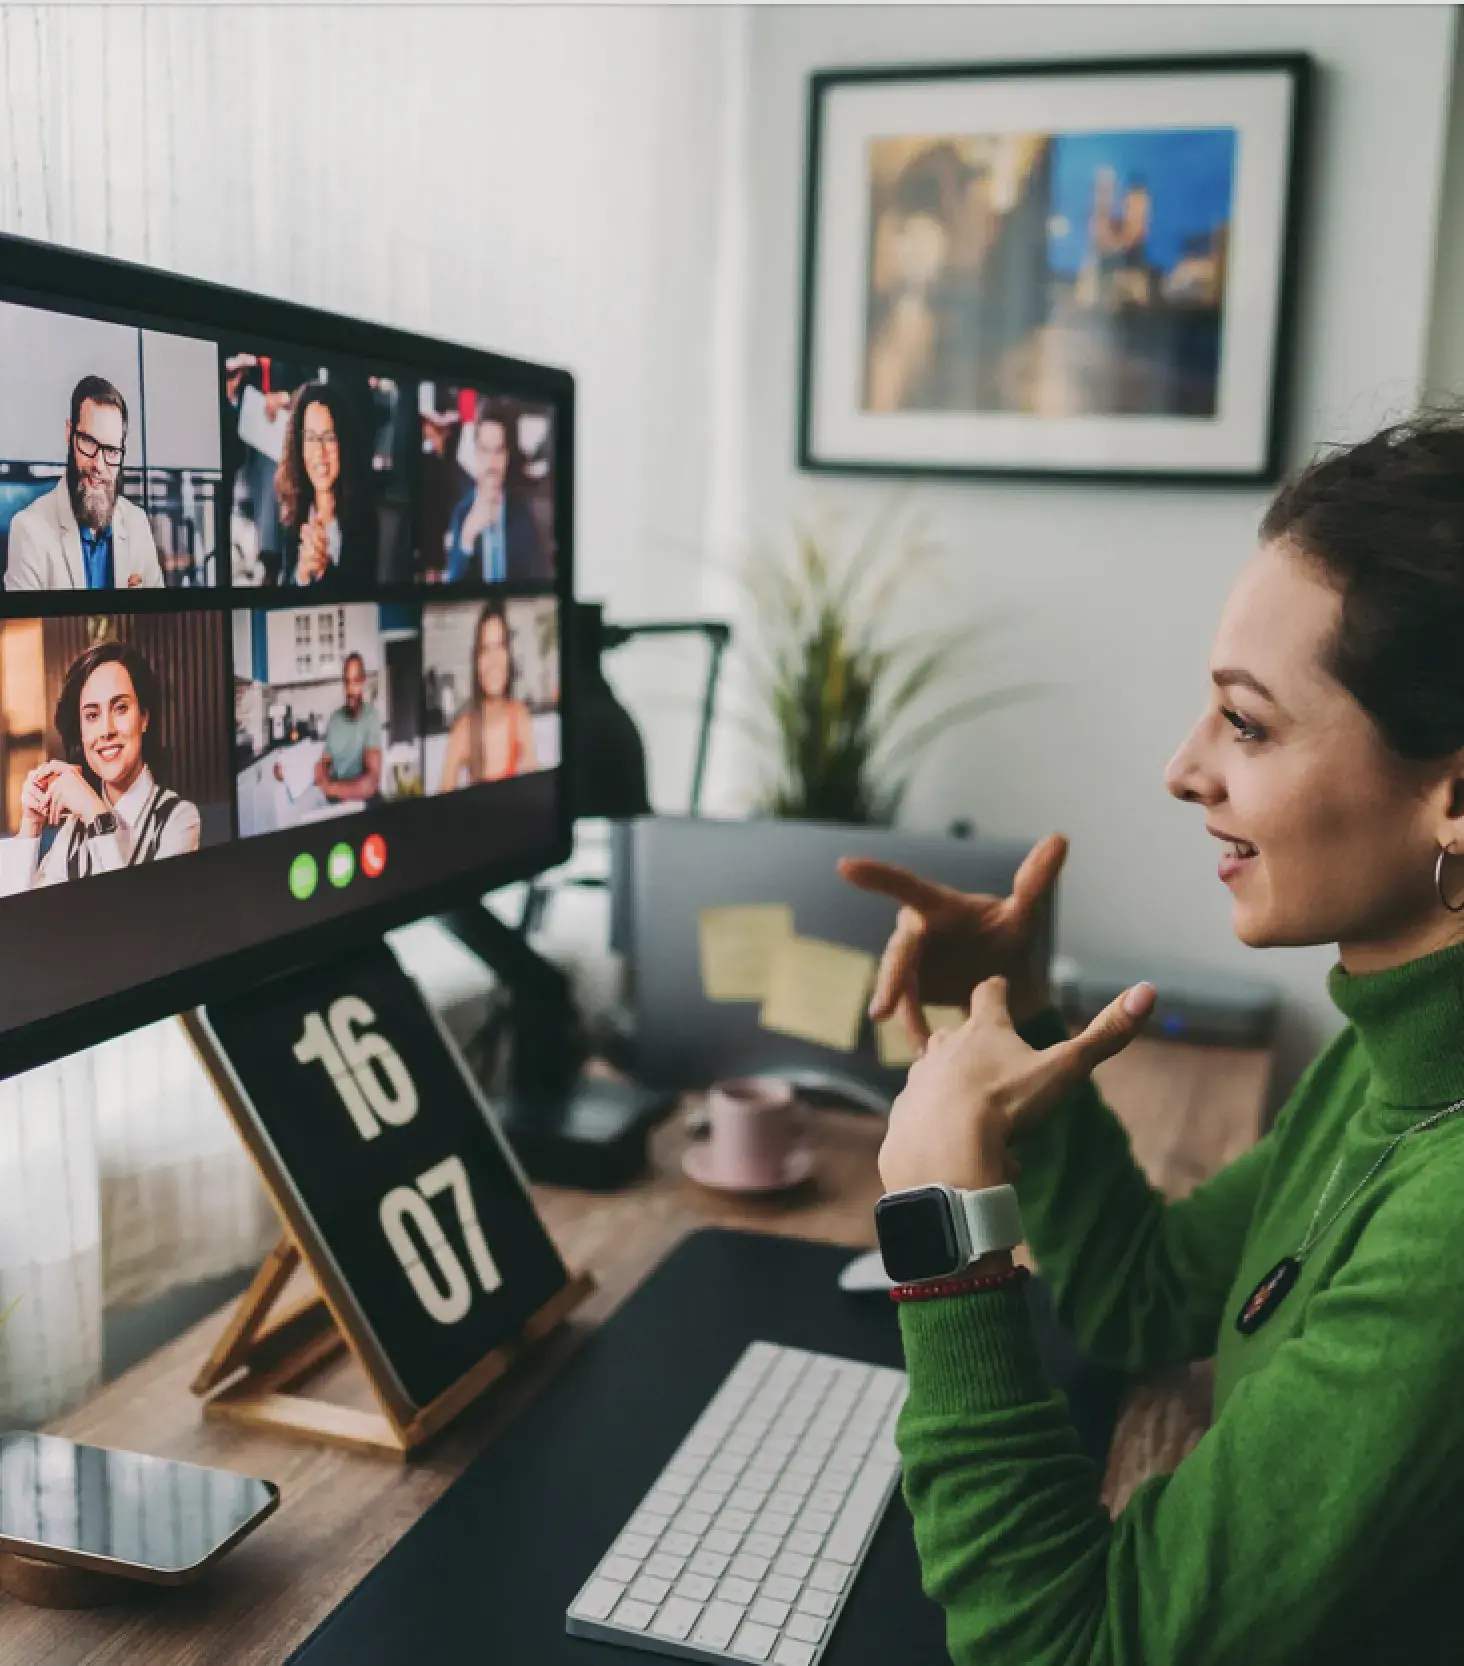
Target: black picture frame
[{"x": 1253, "y": 454}]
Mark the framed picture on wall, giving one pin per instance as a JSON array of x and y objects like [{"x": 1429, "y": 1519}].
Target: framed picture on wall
[{"x": 1069, "y": 269}]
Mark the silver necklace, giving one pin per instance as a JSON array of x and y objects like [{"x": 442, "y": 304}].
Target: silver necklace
[{"x": 1276, "y": 1285}]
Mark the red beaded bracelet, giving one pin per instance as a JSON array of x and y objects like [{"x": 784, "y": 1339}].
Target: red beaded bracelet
[{"x": 958, "y": 1286}]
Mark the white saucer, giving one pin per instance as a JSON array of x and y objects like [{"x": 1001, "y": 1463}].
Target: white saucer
[{"x": 695, "y": 1164}]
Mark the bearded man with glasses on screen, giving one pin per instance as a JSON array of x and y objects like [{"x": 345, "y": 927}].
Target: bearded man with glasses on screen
[{"x": 84, "y": 535}]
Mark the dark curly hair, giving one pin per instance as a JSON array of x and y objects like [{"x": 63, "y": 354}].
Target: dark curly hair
[
  {"x": 145, "y": 686},
  {"x": 1383, "y": 521},
  {"x": 292, "y": 484}
]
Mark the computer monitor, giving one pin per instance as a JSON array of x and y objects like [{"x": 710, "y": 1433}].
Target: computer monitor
[
  {"x": 280, "y": 623},
  {"x": 669, "y": 870}
]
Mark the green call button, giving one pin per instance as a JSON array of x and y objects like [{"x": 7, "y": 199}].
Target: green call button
[
  {"x": 340, "y": 865},
  {"x": 304, "y": 875}
]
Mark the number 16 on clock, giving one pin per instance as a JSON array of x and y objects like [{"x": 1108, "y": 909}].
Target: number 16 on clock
[
  {"x": 377, "y": 1090},
  {"x": 383, "y": 1157}
]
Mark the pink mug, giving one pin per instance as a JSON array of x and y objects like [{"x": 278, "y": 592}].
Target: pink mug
[{"x": 754, "y": 1131}]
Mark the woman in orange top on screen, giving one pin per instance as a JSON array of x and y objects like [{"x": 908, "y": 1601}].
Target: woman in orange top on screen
[{"x": 492, "y": 737}]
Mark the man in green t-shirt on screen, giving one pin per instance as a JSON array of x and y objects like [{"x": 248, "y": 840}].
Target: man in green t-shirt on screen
[{"x": 350, "y": 767}]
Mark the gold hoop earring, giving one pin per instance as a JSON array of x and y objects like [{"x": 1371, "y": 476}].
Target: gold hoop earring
[{"x": 1453, "y": 907}]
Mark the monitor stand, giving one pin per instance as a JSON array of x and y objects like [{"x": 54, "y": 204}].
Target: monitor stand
[{"x": 567, "y": 1128}]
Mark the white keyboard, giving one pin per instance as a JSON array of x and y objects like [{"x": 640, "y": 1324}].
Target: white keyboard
[{"x": 747, "y": 1544}]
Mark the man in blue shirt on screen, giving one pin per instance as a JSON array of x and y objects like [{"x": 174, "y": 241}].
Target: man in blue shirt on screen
[
  {"x": 84, "y": 535},
  {"x": 492, "y": 535}
]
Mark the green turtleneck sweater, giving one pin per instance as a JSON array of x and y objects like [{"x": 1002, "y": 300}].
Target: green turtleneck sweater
[{"x": 1321, "y": 1517}]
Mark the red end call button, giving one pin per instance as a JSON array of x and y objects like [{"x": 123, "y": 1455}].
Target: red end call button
[{"x": 373, "y": 856}]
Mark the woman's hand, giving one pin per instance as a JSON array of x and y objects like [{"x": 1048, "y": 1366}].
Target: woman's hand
[
  {"x": 977, "y": 1085},
  {"x": 945, "y": 941},
  {"x": 35, "y": 800},
  {"x": 314, "y": 556},
  {"x": 69, "y": 793}
]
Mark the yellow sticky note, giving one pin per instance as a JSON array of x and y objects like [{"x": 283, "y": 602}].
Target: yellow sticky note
[
  {"x": 894, "y": 1039},
  {"x": 817, "y": 991},
  {"x": 737, "y": 948}
]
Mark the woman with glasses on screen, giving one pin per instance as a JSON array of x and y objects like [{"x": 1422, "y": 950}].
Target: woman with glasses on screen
[
  {"x": 492, "y": 738},
  {"x": 327, "y": 520},
  {"x": 104, "y": 797}
]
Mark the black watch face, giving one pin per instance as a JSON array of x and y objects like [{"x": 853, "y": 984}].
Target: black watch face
[{"x": 917, "y": 1237}]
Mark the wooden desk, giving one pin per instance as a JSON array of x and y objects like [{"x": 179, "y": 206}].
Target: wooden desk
[{"x": 1190, "y": 1110}]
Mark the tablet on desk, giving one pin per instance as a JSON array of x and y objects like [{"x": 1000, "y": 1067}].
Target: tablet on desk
[{"x": 122, "y": 1513}]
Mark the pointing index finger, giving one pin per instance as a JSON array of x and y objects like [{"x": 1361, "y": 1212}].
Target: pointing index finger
[{"x": 898, "y": 884}]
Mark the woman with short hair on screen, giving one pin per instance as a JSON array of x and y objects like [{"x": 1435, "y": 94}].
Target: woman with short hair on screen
[
  {"x": 492, "y": 737},
  {"x": 104, "y": 797},
  {"x": 1319, "y": 1517},
  {"x": 324, "y": 487}
]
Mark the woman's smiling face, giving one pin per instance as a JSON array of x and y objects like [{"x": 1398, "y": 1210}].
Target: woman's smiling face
[
  {"x": 1344, "y": 832},
  {"x": 493, "y": 660},
  {"x": 112, "y": 727},
  {"x": 321, "y": 447}
]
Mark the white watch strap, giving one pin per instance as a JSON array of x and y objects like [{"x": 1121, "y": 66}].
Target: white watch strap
[{"x": 993, "y": 1220}]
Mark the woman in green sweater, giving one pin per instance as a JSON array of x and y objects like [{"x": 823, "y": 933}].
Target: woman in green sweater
[{"x": 1321, "y": 1517}]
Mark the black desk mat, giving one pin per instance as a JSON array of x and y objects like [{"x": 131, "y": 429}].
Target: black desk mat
[{"x": 485, "y": 1576}]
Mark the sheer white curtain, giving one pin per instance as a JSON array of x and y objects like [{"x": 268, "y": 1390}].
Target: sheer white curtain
[
  {"x": 50, "y": 1241},
  {"x": 121, "y": 1178},
  {"x": 180, "y": 1199}
]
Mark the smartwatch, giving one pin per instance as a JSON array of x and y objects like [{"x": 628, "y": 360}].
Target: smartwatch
[
  {"x": 938, "y": 1231},
  {"x": 101, "y": 824}
]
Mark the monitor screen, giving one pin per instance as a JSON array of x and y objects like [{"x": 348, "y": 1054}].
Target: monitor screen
[{"x": 280, "y": 637}]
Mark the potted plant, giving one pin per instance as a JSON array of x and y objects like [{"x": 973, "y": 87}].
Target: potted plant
[{"x": 846, "y": 705}]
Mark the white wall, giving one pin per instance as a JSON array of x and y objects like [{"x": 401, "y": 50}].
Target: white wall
[
  {"x": 1115, "y": 591},
  {"x": 1445, "y": 371},
  {"x": 538, "y": 180}
]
